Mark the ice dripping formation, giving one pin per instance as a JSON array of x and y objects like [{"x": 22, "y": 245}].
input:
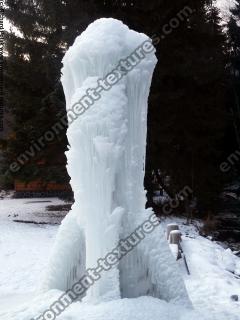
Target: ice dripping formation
[{"x": 106, "y": 160}]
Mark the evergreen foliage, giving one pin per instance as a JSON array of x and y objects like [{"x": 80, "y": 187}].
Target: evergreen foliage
[{"x": 187, "y": 114}]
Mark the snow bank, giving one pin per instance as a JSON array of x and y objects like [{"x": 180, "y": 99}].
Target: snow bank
[
  {"x": 144, "y": 308},
  {"x": 23, "y": 246}
]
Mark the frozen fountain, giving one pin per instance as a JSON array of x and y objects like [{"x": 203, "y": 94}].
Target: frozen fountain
[{"x": 106, "y": 159}]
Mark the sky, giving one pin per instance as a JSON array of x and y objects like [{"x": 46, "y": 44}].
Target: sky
[{"x": 225, "y": 6}]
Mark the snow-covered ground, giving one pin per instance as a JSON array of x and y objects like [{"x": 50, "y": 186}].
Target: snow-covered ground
[
  {"x": 215, "y": 274},
  {"x": 24, "y": 250}
]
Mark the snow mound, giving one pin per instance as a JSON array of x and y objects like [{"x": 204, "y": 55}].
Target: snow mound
[{"x": 142, "y": 308}]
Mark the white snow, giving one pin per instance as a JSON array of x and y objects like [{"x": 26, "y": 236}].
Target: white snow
[
  {"x": 23, "y": 247},
  {"x": 144, "y": 308},
  {"x": 24, "y": 251},
  {"x": 214, "y": 273}
]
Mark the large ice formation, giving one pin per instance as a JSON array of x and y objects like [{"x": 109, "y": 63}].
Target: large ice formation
[{"x": 106, "y": 161}]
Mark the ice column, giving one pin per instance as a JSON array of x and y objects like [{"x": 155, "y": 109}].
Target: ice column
[{"x": 106, "y": 159}]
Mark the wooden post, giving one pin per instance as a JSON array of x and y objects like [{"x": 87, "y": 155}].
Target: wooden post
[
  {"x": 175, "y": 237},
  {"x": 171, "y": 227}
]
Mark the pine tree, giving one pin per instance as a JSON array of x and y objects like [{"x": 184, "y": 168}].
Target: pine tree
[
  {"x": 32, "y": 66},
  {"x": 187, "y": 112},
  {"x": 186, "y": 121},
  {"x": 234, "y": 72},
  {"x": 33, "y": 90}
]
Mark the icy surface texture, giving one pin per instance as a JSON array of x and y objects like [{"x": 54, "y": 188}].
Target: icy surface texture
[{"x": 106, "y": 161}]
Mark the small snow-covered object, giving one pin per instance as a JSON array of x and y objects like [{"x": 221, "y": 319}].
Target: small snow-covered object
[
  {"x": 175, "y": 237},
  {"x": 174, "y": 241},
  {"x": 171, "y": 227}
]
